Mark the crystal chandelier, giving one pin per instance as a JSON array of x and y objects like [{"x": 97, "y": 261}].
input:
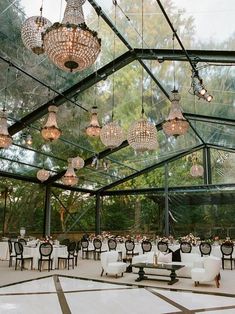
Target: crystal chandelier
[
  {"x": 142, "y": 136},
  {"x": 196, "y": 170},
  {"x": 93, "y": 128},
  {"x": 5, "y": 138},
  {"x": 112, "y": 135},
  {"x": 78, "y": 163},
  {"x": 31, "y": 32},
  {"x": 71, "y": 45},
  {"x": 50, "y": 131},
  {"x": 175, "y": 124},
  {"x": 43, "y": 175},
  {"x": 70, "y": 178}
]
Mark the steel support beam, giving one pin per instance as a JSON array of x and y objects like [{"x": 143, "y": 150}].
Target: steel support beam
[
  {"x": 207, "y": 165},
  {"x": 97, "y": 214},
  {"x": 47, "y": 212},
  {"x": 213, "y": 56},
  {"x": 182, "y": 189},
  {"x": 209, "y": 119},
  {"x": 167, "y": 226}
]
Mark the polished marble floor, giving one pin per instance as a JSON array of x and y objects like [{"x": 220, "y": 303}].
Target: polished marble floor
[{"x": 57, "y": 294}]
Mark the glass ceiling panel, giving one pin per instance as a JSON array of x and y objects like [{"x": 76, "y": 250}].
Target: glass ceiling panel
[
  {"x": 217, "y": 134},
  {"x": 223, "y": 166}
]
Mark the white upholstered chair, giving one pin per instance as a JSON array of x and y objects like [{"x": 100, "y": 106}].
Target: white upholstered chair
[
  {"x": 111, "y": 265},
  {"x": 210, "y": 272}
]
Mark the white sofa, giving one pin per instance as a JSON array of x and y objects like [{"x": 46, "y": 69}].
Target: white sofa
[{"x": 189, "y": 260}]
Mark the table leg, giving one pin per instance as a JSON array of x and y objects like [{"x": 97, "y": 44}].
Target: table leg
[
  {"x": 141, "y": 274},
  {"x": 173, "y": 278}
]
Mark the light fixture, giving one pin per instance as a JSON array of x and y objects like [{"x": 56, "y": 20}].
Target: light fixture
[
  {"x": 50, "y": 131},
  {"x": 142, "y": 135},
  {"x": 198, "y": 88},
  {"x": 29, "y": 140},
  {"x": 70, "y": 178},
  {"x": 93, "y": 128},
  {"x": 175, "y": 124},
  {"x": 78, "y": 162},
  {"x": 95, "y": 162},
  {"x": 112, "y": 135},
  {"x": 5, "y": 138},
  {"x": 196, "y": 170},
  {"x": 43, "y": 175},
  {"x": 31, "y": 32},
  {"x": 71, "y": 45}
]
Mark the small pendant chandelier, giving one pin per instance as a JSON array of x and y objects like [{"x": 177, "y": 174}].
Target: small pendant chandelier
[
  {"x": 93, "y": 129},
  {"x": 31, "y": 32},
  {"x": 196, "y": 170},
  {"x": 50, "y": 131},
  {"x": 71, "y": 45},
  {"x": 175, "y": 124},
  {"x": 112, "y": 135},
  {"x": 5, "y": 138},
  {"x": 78, "y": 163},
  {"x": 70, "y": 178},
  {"x": 43, "y": 175}
]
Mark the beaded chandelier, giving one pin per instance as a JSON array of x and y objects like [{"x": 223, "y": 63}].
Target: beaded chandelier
[
  {"x": 175, "y": 124},
  {"x": 71, "y": 45},
  {"x": 43, "y": 175},
  {"x": 112, "y": 135},
  {"x": 142, "y": 136},
  {"x": 78, "y": 163},
  {"x": 93, "y": 128},
  {"x": 5, "y": 138},
  {"x": 50, "y": 131},
  {"x": 196, "y": 171},
  {"x": 70, "y": 178},
  {"x": 31, "y": 32}
]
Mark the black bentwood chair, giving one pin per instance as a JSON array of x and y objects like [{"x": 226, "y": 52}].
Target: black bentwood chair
[
  {"x": 45, "y": 250},
  {"x": 22, "y": 241},
  {"x": 162, "y": 246},
  {"x": 185, "y": 247},
  {"x": 11, "y": 254},
  {"x": 98, "y": 248},
  {"x": 112, "y": 244},
  {"x": 19, "y": 250},
  {"x": 70, "y": 255},
  {"x": 227, "y": 252},
  {"x": 130, "y": 246},
  {"x": 205, "y": 248},
  {"x": 146, "y": 246},
  {"x": 85, "y": 248}
]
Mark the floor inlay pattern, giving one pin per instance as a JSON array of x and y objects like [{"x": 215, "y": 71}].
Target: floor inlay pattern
[{"x": 63, "y": 294}]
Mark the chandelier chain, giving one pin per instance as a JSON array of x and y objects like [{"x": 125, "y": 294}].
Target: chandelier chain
[
  {"x": 142, "y": 70},
  {"x": 173, "y": 47}
]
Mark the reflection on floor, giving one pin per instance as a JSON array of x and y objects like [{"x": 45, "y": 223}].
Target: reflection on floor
[{"x": 63, "y": 294}]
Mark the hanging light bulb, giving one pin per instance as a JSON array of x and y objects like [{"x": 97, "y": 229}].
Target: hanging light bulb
[
  {"x": 31, "y": 32},
  {"x": 175, "y": 124},
  {"x": 71, "y": 45},
  {"x": 93, "y": 128},
  {"x": 78, "y": 163},
  {"x": 70, "y": 178},
  {"x": 43, "y": 175},
  {"x": 50, "y": 131},
  {"x": 5, "y": 138}
]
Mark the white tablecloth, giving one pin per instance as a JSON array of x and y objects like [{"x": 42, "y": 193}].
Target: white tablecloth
[
  {"x": 34, "y": 252},
  {"x": 4, "y": 251}
]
